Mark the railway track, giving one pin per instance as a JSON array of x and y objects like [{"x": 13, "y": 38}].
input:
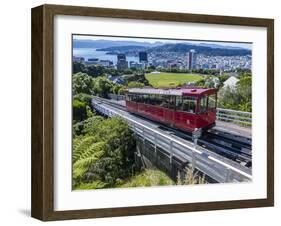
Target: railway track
[{"x": 231, "y": 146}]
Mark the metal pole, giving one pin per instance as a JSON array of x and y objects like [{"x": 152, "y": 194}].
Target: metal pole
[
  {"x": 143, "y": 138},
  {"x": 171, "y": 151},
  {"x": 193, "y": 154},
  {"x": 227, "y": 177},
  {"x": 155, "y": 144}
]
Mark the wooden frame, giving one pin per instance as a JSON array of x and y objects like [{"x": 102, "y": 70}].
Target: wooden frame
[{"x": 43, "y": 108}]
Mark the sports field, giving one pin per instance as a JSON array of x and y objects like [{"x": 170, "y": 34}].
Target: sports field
[{"x": 164, "y": 79}]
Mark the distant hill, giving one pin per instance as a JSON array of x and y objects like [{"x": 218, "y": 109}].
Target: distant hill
[
  {"x": 132, "y": 47},
  {"x": 212, "y": 45},
  {"x": 123, "y": 49},
  {"x": 95, "y": 44},
  {"x": 206, "y": 50}
]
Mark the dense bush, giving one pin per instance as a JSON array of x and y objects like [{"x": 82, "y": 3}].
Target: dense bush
[
  {"x": 79, "y": 110},
  {"x": 135, "y": 84},
  {"x": 136, "y": 77},
  {"x": 103, "y": 153},
  {"x": 148, "y": 178},
  {"x": 239, "y": 97}
]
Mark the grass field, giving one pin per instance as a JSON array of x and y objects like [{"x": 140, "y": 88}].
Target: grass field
[{"x": 164, "y": 79}]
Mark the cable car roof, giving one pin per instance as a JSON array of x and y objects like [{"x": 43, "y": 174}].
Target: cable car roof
[{"x": 174, "y": 92}]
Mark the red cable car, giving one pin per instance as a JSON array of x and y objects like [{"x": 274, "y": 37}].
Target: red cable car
[{"x": 187, "y": 108}]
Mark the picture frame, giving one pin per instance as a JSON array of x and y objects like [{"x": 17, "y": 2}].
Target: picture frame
[{"x": 43, "y": 108}]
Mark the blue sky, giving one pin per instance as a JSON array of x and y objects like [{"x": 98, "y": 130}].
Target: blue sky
[{"x": 232, "y": 44}]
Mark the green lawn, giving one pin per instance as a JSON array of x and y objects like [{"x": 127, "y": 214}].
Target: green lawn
[{"x": 164, "y": 79}]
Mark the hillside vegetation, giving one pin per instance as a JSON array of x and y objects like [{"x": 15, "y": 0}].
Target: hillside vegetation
[
  {"x": 103, "y": 153},
  {"x": 148, "y": 178}
]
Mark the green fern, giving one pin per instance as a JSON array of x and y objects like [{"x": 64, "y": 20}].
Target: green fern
[
  {"x": 80, "y": 145},
  {"x": 87, "y": 157}
]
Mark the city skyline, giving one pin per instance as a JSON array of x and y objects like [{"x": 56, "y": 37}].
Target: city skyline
[{"x": 132, "y": 53}]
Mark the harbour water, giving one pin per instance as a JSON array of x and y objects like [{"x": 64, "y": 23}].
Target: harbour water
[{"x": 101, "y": 55}]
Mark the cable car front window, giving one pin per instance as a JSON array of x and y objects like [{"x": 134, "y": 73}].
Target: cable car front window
[
  {"x": 189, "y": 104},
  {"x": 212, "y": 101},
  {"x": 203, "y": 104}
]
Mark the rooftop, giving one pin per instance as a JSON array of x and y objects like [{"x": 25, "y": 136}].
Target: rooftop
[{"x": 231, "y": 82}]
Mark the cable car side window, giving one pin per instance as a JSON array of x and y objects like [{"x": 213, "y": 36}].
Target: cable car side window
[
  {"x": 189, "y": 104},
  {"x": 203, "y": 104},
  {"x": 127, "y": 97},
  {"x": 178, "y": 103},
  {"x": 151, "y": 99},
  {"x": 130, "y": 97},
  {"x": 172, "y": 103},
  {"x": 138, "y": 98},
  {"x": 164, "y": 101}
]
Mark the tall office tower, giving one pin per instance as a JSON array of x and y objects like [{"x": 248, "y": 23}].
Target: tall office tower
[
  {"x": 143, "y": 57},
  {"x": 122, "y": 64},
  {"x": 191, "y": 59},
  {"x": 121, "y": 56}
]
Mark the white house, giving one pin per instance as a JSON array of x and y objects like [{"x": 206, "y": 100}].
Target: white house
[{"x": 230, "y": 82}]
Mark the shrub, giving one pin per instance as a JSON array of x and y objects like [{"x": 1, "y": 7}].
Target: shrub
[
  {"x": 104, "y": 153},
  {"x": 79, "y": 110},
  {"x": 135, "y": 85}
]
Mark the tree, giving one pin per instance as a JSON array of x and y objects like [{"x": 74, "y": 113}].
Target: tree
[
  {"x": 244, "y": 90},
  {"x": 82, "y": 107},
  {"x": 78, "y": 67},
  {"x": 200, "y": 83},
  {"x": 87, "y": 98},
  {"x": 128, "y": 72},
  {"x": 79, "y": 110},
  {"x": 116, "y": 88},
  {"x": 228, "y": 98},
  {"x": 223, "y": 78},
  {"x": 95, "y": 70},
  {"x": 119, "y": 151},
  {"x": 151, "y": 67},
  {"x": 122, "y": 90},
  {"x": 239, "y": 97},
  {"x": 112, "y": 71},
  {"x": 82, "y": 83},
  {"x": 136, "y": 77},
  {"x": 102, "y": 86}
]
